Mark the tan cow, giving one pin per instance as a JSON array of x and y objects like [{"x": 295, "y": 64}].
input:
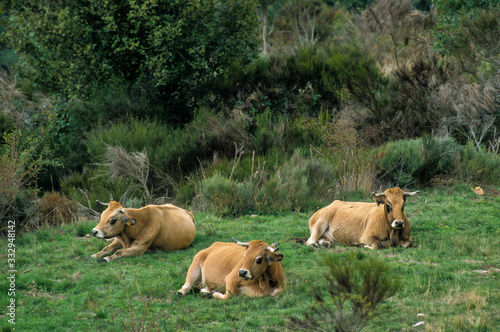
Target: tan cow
[
  {"x": 252, "y": 268},
  {"x": 165, "y": 227},
  {"x": 376, "y": 225}
]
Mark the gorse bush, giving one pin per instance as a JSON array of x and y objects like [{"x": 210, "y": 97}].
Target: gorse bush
[
  {"x": 416, "y": 162},
  {"x": 90, "y": 185},
  {"x": 479, "y": 167},
  {"x": 22, "y": 159},
  {"x": 299, "y": 183},
  {"x": 304, "y": 82},
  {"x": 356, "y": 285}
]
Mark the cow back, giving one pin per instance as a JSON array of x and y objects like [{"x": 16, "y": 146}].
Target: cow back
[
  {"x": 347, "y": 220},
  {"x": 171, "y": 227},
  {"x": 219, "y": 260}
]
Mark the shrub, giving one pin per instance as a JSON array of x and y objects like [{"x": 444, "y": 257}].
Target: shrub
[
  {"x": 356, "y": 285},
  {"x": 219, "y": 192},
  {"x": 55, "y": 210},
  {"x": 87, "y": 187},
  {"x": 300, "y": 83},
  {"x": 187, "y": 42},
  {"x": 411, "y": 162},
  {"x": 346, "y": 151},
  {"x": 22, "y": 159},
  {"x": 479, "y": 167},
  {"x": 298, "y": 183}
]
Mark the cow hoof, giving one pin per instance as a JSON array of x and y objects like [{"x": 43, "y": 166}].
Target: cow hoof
[
  {"x": 179, "y": 294},
  {"x": 102, "y": 260}
]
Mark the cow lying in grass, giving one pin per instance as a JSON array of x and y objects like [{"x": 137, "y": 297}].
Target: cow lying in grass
[
  {"x": 375, "y": 225},
  {"x": 165, "y": 227},
  {"x": 252, "y": 268}
]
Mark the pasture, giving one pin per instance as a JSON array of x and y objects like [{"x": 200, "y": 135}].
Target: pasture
[{"x": 452, "y": 276}]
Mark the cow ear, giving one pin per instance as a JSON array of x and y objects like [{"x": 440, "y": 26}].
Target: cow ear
[
  {"x": 273, "y": 258},
  {"x": 129, "y": 221}
]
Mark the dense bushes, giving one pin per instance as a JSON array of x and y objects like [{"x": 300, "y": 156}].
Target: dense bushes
[
  {"x": 22, "y": 159},
  {"x": 304, "y": 82},
  {"x": 298, "y": 183},
  {"x": 165, "y": 48},
  {"x": 420, "y": 161}
]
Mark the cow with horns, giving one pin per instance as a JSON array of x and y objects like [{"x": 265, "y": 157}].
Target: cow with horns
[
  {"x": 165, "y": 227},
  {"x": 375, "y": 225},
  {"x": 252, "y": 268}
]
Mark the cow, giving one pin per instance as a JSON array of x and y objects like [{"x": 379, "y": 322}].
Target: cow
[
  {"x": 252, "y": 268},
  {"x": 375, "y": 225},
  {"x": 165, "y": 227}
]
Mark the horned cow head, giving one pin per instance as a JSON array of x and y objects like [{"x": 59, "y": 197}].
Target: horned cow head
[
  {"x": 113, "y": 221},
  {"x": 258, "y": 256},
  {"x": 394, "y": 200}
]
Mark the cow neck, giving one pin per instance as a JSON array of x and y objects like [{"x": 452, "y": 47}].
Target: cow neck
[
  {"x": 130, "y": 231},
  {"x": 381, "y": 215}
]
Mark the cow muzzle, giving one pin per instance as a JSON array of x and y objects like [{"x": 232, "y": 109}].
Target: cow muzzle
[
  {"x": 398, "y": 224},
  {"x": 244, "y": 274},
  {"x": 97, "y": 233}
]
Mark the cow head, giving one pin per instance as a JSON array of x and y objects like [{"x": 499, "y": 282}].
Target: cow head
[
  {"x": 258, "y": 256},
  {"x": 113, "y": 221},
  {"x": 393, "y": 201}
]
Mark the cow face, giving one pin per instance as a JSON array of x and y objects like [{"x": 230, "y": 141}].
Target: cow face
[
  {"x": 113, "y": 221},
  {"x": 393, "y": 201},
  {"x": 258, "y": 256}
]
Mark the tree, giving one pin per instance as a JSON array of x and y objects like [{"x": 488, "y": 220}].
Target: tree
[
  {"x": 165, "y": 47},
  {"x": 468, "y": 31}
]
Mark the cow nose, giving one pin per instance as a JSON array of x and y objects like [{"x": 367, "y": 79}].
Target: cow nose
[
  {"x": 243, "y": 274},
  {"x": 400, "y": 223},
  {"x": 94, "y": 232}
]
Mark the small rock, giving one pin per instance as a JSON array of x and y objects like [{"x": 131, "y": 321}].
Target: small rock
[{"x": 420, "y": 315}]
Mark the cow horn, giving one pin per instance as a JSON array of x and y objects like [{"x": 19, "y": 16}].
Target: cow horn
[
  {"x": 103, "y": 204},
  {"x": 243, "y": 244},
  {"x": 378, "y": 195},
  {"x": 407, "y": 194},
  {"x": 271, "y": 248}
]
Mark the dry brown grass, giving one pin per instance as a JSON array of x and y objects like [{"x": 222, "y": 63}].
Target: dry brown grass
[{"x": 55, "y": 210}]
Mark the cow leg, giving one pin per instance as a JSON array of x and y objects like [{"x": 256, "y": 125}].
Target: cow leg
[
  {"x": 194, "y": 274},
  {"x": 132, "y": 251},
  {"x": 232, "y": 282},
  {"x": 317, "y": 231},
  {"x": 116, "y": 244},
  {"x": 407, "y": 244},
  {"x": 276, "y": 291},
  {"x": 371, "y": 242}
]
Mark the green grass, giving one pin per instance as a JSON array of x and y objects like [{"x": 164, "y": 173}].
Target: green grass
[{"x": 452, "y": 276}]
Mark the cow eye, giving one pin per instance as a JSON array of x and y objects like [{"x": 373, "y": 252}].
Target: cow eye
[
  {"x": 389, "y": 207},
  {"x": 258, "y": 260},
  {"x": 112, "y": 221}
]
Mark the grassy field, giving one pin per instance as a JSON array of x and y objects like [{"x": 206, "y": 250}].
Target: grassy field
[{"x": 452, "y": 276}]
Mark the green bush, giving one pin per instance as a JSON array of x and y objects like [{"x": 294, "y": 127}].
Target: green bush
[
  {"x": 298, "y": 183},
  {"x": 219, "y": 191},
  {"x": 22, "y": 159},
  {"x": 479, "y": 167},
  {"x": 166, "y": 47},
  {"x": 88, "y": 186},
  {"x": 412, "y": 162},
  {"x": 301, "y": 83},
  {"x": 356, "y": 285}
]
